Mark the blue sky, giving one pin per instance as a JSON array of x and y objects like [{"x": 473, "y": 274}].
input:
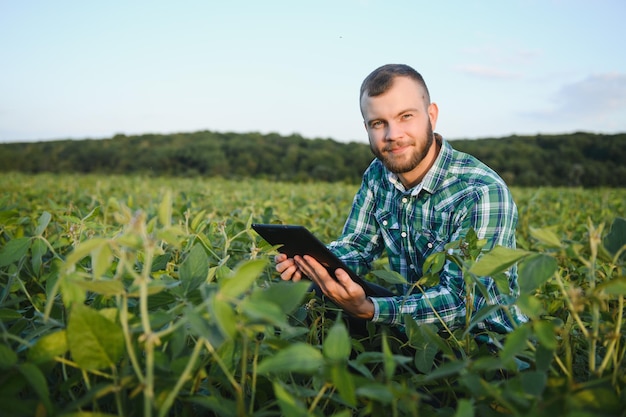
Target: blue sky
[{"x": 86, "y": 69}]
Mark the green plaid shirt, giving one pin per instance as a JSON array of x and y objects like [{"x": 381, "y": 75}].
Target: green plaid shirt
[{"x": 458, "y": 193}]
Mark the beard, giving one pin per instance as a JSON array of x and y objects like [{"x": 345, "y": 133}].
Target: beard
[{"x": 417, "y": 156}]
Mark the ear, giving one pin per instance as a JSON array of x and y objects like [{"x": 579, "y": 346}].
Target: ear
[{"x": 433, "y": 113}]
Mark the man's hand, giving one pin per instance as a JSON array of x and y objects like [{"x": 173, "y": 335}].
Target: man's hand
[
  {"x": 287, "y": 268},
  {"x": 346, "y": 293}
]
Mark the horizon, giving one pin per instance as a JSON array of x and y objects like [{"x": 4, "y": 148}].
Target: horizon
[{"x": 511, "y": 136}]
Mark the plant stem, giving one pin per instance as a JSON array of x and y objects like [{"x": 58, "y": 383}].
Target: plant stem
[
  {"x": 169, "y": 400},
  {"x": 615, "y": 340},
  {"x": 229, "y": 376},
  {"x": 570, "y": 306},
  {"x": 319, "y": 396},
  {"x": 150, "y": 338},
  {"x": 127, "y": 337},
  {"x": 255, "y": 361}
]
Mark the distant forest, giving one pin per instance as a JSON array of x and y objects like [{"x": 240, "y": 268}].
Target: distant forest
[{"x": 578, "y": 159}]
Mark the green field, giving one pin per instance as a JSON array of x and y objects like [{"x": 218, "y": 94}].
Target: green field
[{"x": 131, "y": 296}]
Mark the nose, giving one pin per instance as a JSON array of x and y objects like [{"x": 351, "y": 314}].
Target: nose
[{"x": 393, "y": 131}]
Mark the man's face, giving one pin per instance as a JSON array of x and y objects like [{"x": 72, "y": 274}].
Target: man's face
[{"x": 400, "y": 125}]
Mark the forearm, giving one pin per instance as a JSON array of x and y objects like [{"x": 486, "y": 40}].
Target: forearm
[{"x": 436, "y": 305}]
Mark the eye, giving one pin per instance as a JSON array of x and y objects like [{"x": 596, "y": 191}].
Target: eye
[
  {"x": 376, "y": 124},
  {"x": 406, "y": 116}
]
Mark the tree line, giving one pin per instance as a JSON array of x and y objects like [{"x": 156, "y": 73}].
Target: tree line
[{"x": 577, "y": 159}]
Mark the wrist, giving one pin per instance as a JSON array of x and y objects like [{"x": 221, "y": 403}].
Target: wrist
[{"x": 366, "y": 312}]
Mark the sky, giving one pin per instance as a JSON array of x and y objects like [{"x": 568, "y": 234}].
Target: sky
[{"x": 94, "y": 69}]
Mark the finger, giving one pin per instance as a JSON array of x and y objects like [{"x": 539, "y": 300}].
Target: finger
[
  {"x": 281, "y": 257},
  {"x": 351, "y": 287},
  {"x": 297, "y": 276},
  {"x": 318, "y": 273},
  {"x": 282, "y": 266}
]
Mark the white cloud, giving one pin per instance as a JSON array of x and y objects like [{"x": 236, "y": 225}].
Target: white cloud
[
  {"x": 595, "y": 98},
  {"x": 488, "y": 72}
]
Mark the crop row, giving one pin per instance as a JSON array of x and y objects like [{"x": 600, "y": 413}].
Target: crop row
[{"x": 145, "y": 296}]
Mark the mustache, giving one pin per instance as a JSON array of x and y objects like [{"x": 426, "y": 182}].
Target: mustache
[{"x": 394, "y": 146}]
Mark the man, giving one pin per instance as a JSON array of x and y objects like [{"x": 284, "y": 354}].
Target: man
[{"x": 416, "y": 196}]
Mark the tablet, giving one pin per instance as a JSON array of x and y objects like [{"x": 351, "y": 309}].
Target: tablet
[{"x": 298, "y": 240}]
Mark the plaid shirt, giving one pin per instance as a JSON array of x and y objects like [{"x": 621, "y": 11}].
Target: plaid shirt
[{"x": 458, "y": 193}]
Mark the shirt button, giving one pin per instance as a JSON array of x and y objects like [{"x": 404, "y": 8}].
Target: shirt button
[
  {"x": 430, "y": 245},
  {"x": 404, "y": 200},
  {"x": 384, "y": 222},
  {"x": 412, "y": 266},
  {"x": 403, "y": 234}
]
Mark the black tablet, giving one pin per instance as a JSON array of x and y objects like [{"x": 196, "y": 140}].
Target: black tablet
[{"x": 298, "y": 240}]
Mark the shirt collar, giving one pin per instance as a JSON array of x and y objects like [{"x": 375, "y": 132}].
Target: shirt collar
[
  {"x": 395, "y": 181},
  {"x": 435, "y": 175}
]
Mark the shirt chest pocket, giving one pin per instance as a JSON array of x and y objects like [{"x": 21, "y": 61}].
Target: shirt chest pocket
[
  {"x": 390, "y": 230},
  {"x": 432, "y": 236},
  {"x": 421, "y": 239}
]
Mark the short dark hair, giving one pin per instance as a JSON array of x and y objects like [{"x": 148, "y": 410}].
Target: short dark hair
[{"x": 381, "y": 79}]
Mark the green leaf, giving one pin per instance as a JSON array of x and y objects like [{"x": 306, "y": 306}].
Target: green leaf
[
  {"x": 194, "y": 270},
  {"x": 534, "y": 382},
  {"x": 265, "y": 311},
  {"x": 391, "y": 277},
  {"x": 242, "y": 278},
  {"x": 93, "y": 213},
  {"x": 376, "y": 391},
  {"x": 535, "y": 271},
  {"x": 499, "y": 259},
  {"x": 223, "y": 407},
  {"x": 84, "y": 249},
  {"x": 200, "y": 326},
  {"x": 615, "y": 286},
  {"x": 299, "y": 357},
  {"x": 344, "y": 381},
  {"x": 37, "y": 381},
  {"x": 8, "y": 357},
  {"x": 224, "y": 317},
  {"x": 105, "y": 287},
  {"x": 481, "y": 315},
  {"x": 545, "y": 333},
  {"x": 195, "y": 222},
  {"x": 446, "y": 370},
  {"x": 530, "y": 306},
  {"x": 48, "y": 347},
  {"x": 421, "y": 334},
  {"x": 337, "y": 345},
  {"x": 70, "y": 292},
  {"x": 38, "y": 249},
  {"x": 101, "y": 259},
  {"x": 42, "y": 223},
  {"x": 616, "y": 238},
  {"x": 289, "y": 405},
  {"x": 165, "y": 209},
  {"x": 516, "y": 343},
  {"x": 425, "y": 352},
  {"x": 94, "y": 341},
  {"x": 465, "y": 408},
  {"x": 598, "y": 400},
  {"x": 434, "y": 263},
  {"x": 8, "y": 314},
  {"x": 546, "y": 236},
  {"x": 389, "y": 363},
  {"x": 287, "y": 295},
  {"x": 14, "y": 250}
]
